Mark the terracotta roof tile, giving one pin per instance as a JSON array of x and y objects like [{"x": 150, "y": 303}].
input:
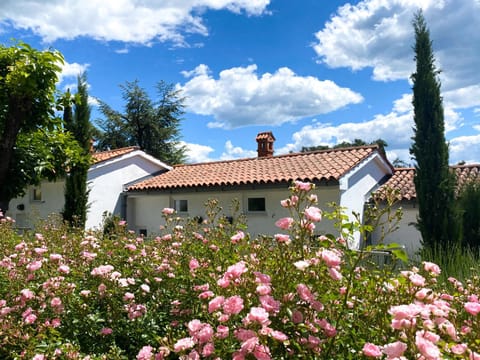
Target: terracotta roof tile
[
  {"x": 314, "y": 166},
  {"x": 402, "y": 180},
  {"x": 110, "y": 154}
]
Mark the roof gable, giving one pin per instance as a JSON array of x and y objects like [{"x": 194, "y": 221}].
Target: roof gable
[
  {"x": 326, "y": 165},
  {"x": 110, "y": 154}
]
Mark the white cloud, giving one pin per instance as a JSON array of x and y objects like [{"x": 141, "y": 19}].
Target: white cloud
[
  {"x": 236, "y": 152},
  {"x": 379, "y": 34},
  {"x": 394, "y": 128},
  {"x": 121, "y": 20},
  {"x": 240, "y": 97},
  {"x": 72, "y": 71},
  {"x": 197, "y": 153},
  {"x": 465, "y": 148}
]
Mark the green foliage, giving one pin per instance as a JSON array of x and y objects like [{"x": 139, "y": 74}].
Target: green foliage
[
  {"x": 458, "y": 261},
  {"x": 434, "y": 183},
  {"x": 32, "y": 142},
  {"x": 78, "y": 124},
  {"x": 153, "y": 126},
  {"x": 469, "y": 205},
  {"x": 382, "y": 144}
]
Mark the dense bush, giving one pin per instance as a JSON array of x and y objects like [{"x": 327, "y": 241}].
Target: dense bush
[{"x": 210, "y": 291}]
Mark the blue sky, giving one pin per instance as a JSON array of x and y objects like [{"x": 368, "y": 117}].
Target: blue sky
[{"x": 315, "y": 72}]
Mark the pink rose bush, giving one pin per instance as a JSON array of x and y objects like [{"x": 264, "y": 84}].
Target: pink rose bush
[{"x": 210, "y": 291}]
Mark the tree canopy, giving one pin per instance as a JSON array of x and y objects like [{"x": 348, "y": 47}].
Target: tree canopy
[
  {"x": 32, "y": 141},
  {"x": 382, "y": 144},
  {"x": 154, "y": 126}
]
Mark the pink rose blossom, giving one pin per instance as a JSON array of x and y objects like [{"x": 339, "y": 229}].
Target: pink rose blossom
[
  {"x": 459, "y": 349},
  {"x": 27, "y": 294},
  {"x": 472, "y": 308},
  {"x": 417, "y": 280},
  {"x": 335, "y": 274},
  {"x": 208, "y": 350},
  {"x": 222, "y": 331},
  {"x": 128, "y": 296},
  {"x": 330, "y": 258},
  {"x": 102, "y": 270},
  {"x": 426, "y": 347},
  {"x": 262, "y": 352},
  {"x": 240, "y": 235},
  {"x": 34, "y": 266},
  {"x": 233, "y": 305},
  {"x": 168, "y": 211},
  {"x": 313, "y": 213},
  {"x": 215, "y": 304},
  {"x": 304, "y": 292},
  {"x": 55, "y": 257},
  {"x": 278, "y": 335},
  {"x": 193, "y": 264},
  {"x": 30, "y": 319},
  {"x": 284, "y": 223},
  {"x": 145, "y": 353},
  {"x": 371, "y": 350},
  {"x": 270, "y": 304},
  {"x": 64, "y": 269},
  {"x": 56, "y": 301},
  {"x": 432, "y": 268},
  {"x": 305, "y": 186},
  {"x": 282, "y": 238},
  {"x": 394, "y": 350},
  {"x": 183, "y": 344},
  {"x": 257, "y": 314},
  {"x": 206, "y": 294},
  {"x": 263, "y": 289},
  {"x": 262, "y": 278},
  {"x": 106, "y": 331}
]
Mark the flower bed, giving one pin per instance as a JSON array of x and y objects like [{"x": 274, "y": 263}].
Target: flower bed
[{"x": 209, "y": 291}]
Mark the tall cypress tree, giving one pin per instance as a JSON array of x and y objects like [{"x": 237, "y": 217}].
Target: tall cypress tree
[
  {"x": 433, "y": 181},
  {"x": 76, "y": 191}
]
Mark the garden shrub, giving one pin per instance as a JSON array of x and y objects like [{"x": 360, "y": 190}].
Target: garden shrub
[{"x": 209, "y": 291}]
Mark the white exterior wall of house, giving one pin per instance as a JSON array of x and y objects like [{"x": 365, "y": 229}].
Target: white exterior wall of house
[
  {"x": 144, "y": 209},
  {"x": 27, "y": 211},
  {"x": 407, "y": 234},
  {"x": 106, "y": 181},
  {"x": 357, "y": 185}
]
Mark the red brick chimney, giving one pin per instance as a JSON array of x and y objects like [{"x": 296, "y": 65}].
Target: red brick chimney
[{"x": 265, "y": 142}]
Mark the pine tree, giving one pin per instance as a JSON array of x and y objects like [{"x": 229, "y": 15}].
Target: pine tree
[
  {"x": 76, "y": 191},
  {"x": 433, "y": 181},
  {"x": 154, "y": 126}
]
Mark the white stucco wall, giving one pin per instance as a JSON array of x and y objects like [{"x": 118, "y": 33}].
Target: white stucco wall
[
  {"x": 52, "y": 202},
  {"x": 407, "y": 234},
  {"x": 106, "y": 183},
  {"x": 144, "y": 210},
  {"x": 356, "y": 187}
]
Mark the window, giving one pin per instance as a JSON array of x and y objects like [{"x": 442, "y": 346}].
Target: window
[
  {"x": 256, "y": 204},
  {"x": 37, "y": 194},
  {"x": 180, "y": 205}
]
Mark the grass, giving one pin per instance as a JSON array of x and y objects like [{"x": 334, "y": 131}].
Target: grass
[{"x": 459, "y": 262}]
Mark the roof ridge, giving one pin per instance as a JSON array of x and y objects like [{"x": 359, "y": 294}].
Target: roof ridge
[
  {"x": 295, "y": 154},
  {"x": 133, "y": 147}
]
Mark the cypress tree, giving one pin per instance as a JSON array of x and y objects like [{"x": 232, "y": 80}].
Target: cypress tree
[
  {"x": 433, "y": 181},
  {"x": 76, "y": 191}
]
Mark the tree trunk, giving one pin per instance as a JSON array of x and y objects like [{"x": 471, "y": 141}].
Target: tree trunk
[{"x": 13, "y": 121}]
